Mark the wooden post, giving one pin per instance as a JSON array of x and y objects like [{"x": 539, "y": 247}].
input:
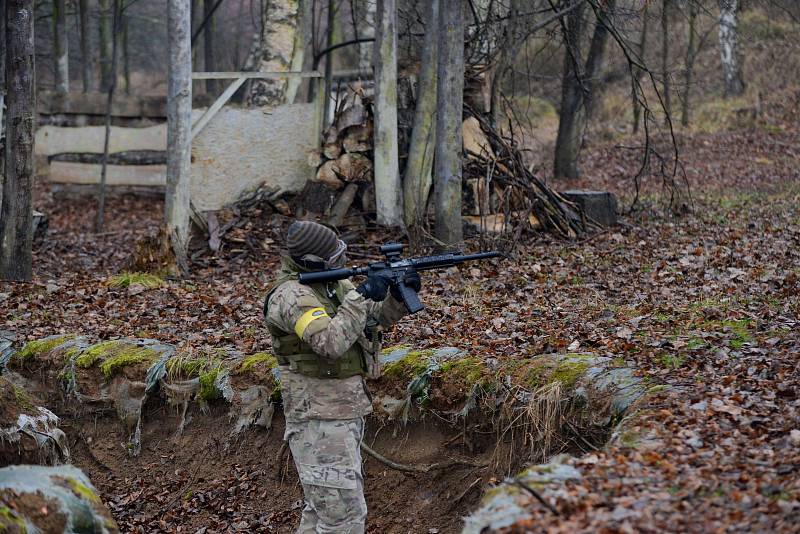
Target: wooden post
[
  {"x": 179, "y": 127},
  {"x": 450, "y": 95},
  {"x": 388, "y": 193},
  {"x": 16, "y": 212}
]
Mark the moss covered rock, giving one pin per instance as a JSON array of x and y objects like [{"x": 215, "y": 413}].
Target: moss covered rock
[{"x": 51, "y": 499}]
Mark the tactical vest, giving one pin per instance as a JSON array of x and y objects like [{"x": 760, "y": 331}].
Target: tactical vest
[{"x": 291, "y": 350}]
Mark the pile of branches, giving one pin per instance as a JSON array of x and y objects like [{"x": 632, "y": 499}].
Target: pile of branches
[{"x": 504, "y": 195}]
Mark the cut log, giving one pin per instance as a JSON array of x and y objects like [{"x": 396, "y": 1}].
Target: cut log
[
  {"x": 332, "y": 150},
  {"x": 367, "y": 197},
  {"x": 354, "y": 167},
  {"x": 358, "y": 138},
  {"x": 355, "y": 115},
  {"x": 600, "y": 206},
  {"x": 475, "y": 141},
  {"x": 314, "y": 158},
  {"x": 497, "y": 223},
  {"x": 346, "y": 199},
  {"x": 327, "y": 175},
  {"x": 317, "y": 198}
]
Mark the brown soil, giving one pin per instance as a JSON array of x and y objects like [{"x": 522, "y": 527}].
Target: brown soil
[
  {"x": 38, "y": 510},
  {"x": 194, "y": 481}
]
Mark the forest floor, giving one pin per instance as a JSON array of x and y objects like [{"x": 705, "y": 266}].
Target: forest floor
[{"x": 706, "y": 304}]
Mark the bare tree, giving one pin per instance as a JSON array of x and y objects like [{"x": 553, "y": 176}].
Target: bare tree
[
  {"x": 638, "y": 72},
  {"x": 691, "y": 54},
  {"x": 101, "y": 188},
  {"x": 665, "y": 38},
  {"x": 179, "y": 123},
  {"x": 388, "y": 192},
  {"x": 450, "y": 96},
  {"x": 209, "y": 43},
  {"x": 86, "y": 51},
  {"x": 16, "y": 211},
  {"x": 729, "y": 47},
  {"x": 3, "y": 91},
  {"x": 60, "y": 46},
  {"x": 105, "y": 33},
  {"x": 577, "y": 86},
  {"x": 417, "y": 179}
]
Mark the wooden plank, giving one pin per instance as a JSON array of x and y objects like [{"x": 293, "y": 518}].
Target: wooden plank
[
  {"x": 51, "y": 103},
  {"x": 216, "y": 106},
  {"x": 254, "y": 75},
  {"x": 88, "y": 173},
  {"x": 244, "y": 148},
  {"x": 52, "y": 140}
]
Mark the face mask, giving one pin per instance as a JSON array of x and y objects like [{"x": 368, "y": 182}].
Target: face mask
[{"x": 336, "y": 260}]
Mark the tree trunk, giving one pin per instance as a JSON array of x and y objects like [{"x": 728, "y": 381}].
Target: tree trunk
[
  {"x": 667, "y": 96},
  {"x": 642, "y": 47},
  {"x": 691, "y": 54},
  {"x": 417, "y": 180},
  {"x": 209, "y": 44},
  {"x": 86, "y": 51},
  {"x": 729, "y": 47},
  {"x": 126, "y": 53},
  {"x": 179, "y": 124},
  {"x": 594, "y": 62},
  {"x": 104, "y": 30},
  {"x": 275, "y": 50},
  {"x": 3, "y": 92},
  {"x": 198, "y": 58},
  {"x": 101, "y": 191},
  {"x": 513, "y": 40},
  {"x": 388, "y": 192},
  {"x": 450, "y": 94},
  {"x": 573, "y": 112},
  {"x": 366, "y": 30},
  {"x": 60, "y": 46},
  {"x": 16, "y": 211}
]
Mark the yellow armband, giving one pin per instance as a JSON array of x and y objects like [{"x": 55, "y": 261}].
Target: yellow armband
[{"x": 307, "y": 318}]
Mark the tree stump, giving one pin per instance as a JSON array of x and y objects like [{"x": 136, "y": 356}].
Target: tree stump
[{"x": 600, "y": 206}]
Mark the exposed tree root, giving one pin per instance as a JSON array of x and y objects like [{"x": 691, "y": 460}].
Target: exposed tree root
[{"x": 408, "y": 468}]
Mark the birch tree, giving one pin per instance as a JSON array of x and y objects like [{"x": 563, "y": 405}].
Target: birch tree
[
  {"x": 388, "y": 193},
  {"x": 417, "y": 179},
  {"x": 179, "y": 123},
  {"x": 729, "y": 47},
  {"x": 16, "y": 210},
  {"x": 450, "y": 96},
  {"x": 276, "y": 48},
  {"x": 60, "y": 46}
]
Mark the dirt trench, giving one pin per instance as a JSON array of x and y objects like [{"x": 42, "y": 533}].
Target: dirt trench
[{"x": 193, "y": 481}]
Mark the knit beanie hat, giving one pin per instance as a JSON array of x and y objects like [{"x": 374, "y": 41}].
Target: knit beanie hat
[{"x": 310, "y": 238}]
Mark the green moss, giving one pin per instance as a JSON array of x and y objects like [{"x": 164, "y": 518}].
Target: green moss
[
  {"x": 115, "y": 355},
  {"x": 568, "y": 372},
  {"x": 21, "y": 398},
  {"x": 96, "y": 352},
  {"x": 129, "y": 355},
  {"x": 66, "y": 376},
  {"x": 71, "y": 353},
  {"x": 630, "y": 439},
  {"x": 208, "y": 390},
  {"x": 9, "y": 518},
  {"x": 389, "y": 350},
  {"x": 82, "y": 490},
  {"x": 254, "y": 359},
  {"x": 671, "y": 361},
  {"x": 148, "y": 280},
  {"x": 41, "y": 346},
  {"x": 741, "y": 332},
  {"x": 471, "y": 370},
  {"x": 409, "y": 366}
]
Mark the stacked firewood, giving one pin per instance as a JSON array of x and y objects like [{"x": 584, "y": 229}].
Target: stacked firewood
[{"x": 343, "y": 178}]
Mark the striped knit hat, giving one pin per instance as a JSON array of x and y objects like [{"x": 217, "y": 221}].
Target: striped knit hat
[{"x": 308, "y": 237}]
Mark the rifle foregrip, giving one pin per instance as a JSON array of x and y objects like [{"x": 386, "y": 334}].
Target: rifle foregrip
[{"x": 410, "y": 298}]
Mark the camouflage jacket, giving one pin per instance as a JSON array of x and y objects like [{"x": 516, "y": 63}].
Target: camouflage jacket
[{"x": 307, "y": 397}]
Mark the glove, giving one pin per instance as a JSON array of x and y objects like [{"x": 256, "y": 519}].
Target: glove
[
  {"x": 412, "y": 281},
  {"x": 375, "y": 287}
]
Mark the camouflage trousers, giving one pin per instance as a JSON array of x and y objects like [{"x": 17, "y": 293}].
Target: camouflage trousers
[{"x": 327, "y": 454}]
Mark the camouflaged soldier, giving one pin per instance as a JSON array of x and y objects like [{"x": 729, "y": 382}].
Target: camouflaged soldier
[{"x": 326, "y": 339}]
